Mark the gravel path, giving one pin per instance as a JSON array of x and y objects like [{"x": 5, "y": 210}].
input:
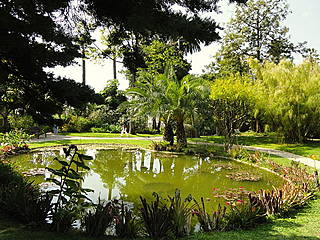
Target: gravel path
[{"x": 305, "y": 160}]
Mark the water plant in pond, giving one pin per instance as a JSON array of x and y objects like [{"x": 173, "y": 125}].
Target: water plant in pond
[
  {"x": 127, "y": 224},
  {"x": 244, "y": 176},
  {"x": 244, "y": 214},
  {"x": 181, "y": 213},
  {"x": 99, "y": 218},
  {"x": 69, "y": 193},
  {"x": 210, "y": 222},
  {"x": 157, "y": 218}
]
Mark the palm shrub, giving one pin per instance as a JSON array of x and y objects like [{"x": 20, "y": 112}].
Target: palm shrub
[{"x": 168, "y": 97}]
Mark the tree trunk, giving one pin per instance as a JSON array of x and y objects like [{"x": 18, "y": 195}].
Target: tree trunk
[
  {"x": 154, "y": 123},
  {"x": 114, "y": 60},
  {"x": 83, "y": 67},
  {"x": 5, "y": 122},
  {"x": 181, "y": 135},
  {"x": 168, "y": 133},
  {"x": 158, "y": 125}
]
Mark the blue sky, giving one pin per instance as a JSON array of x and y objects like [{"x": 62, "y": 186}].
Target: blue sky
[{"x": 303, "y": 25}]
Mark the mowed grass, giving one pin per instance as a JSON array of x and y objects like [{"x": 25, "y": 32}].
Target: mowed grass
[
  {"x": 135, "y": 142},
  {"x": 304, "y": 224},
  {"x": 273, "y": 142},
  {"x": 108, "y": 135}
]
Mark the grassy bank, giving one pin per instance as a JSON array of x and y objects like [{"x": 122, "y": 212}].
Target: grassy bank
[
  {"x": 301, "y": 225},
  {"x": 108, "y": 135},
  {"x": 135, "y": 142},
  {"x": 273, "y": 142}
]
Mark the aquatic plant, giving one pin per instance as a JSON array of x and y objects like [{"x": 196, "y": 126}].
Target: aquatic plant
[
  {"x": 69, "y": 193},
  {"x": 99, "y": 218},
  {"x": 210, "y": 222},
  {"x": 181, "y": 213},
  {"x": 156, "y": 217},
  {"x": 127, "y": 225}
]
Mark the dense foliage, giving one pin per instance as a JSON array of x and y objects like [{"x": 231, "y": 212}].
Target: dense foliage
[{"x": 288, "y": 96}]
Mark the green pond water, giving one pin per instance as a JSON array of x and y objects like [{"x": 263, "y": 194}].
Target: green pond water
[{"x": 128, "y": 174}]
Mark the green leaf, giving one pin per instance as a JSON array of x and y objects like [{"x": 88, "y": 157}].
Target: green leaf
[
  {"x": 53, "y": 180},
  {"x": 85, "y": 157},
  {"x": 64, "y": 163},
  {"x": 82, "y": 165},
  {"x": 87, "y": 190}
]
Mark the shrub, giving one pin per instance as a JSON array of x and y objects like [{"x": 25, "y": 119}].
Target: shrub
[
  {"x": 280, "y": 201},
  {"x": 63, "y": 218},
  {"x": 21, "y": 199},
  {"x": 244, "y": 215},
  {"x": 190, "y": 131},
  {"x": 16, "y": 139},
  {"x": 78, "y": 124},
  {"x": 159, "y": 146},
  {"x": 21, "y": 121}
]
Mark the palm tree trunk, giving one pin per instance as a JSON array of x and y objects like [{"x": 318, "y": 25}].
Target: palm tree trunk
[
  {"x": 181, "y": 135},
  {"x": 168, "y": 133}
]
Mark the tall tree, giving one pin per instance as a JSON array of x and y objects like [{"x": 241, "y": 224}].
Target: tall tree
[
  {"x": 132, "y": 24},
  {"x": 256, "y": 31}
]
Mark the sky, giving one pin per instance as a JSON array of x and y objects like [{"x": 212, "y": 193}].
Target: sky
[{"x": 303, "y": 24}]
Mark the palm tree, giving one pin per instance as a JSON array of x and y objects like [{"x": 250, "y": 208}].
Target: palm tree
[{"x": 167, "y": 96}]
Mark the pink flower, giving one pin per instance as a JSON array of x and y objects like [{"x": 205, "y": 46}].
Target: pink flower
[
  {"x": 228, "y": 203},
  {"x": 239, "y": 201}
]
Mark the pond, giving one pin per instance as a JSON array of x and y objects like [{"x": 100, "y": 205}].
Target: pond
[{"x": 128, "y": 174}]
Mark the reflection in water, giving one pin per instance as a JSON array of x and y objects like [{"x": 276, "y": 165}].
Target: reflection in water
[{"x": 129, "y": 174}]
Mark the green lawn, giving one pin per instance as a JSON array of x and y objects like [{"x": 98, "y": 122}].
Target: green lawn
[
  {"x": 305, "y": 149},
  {"x": 108, "y": 135},
  {"x": 302, "y": 225},
  {"x": 137, "y": 142}
]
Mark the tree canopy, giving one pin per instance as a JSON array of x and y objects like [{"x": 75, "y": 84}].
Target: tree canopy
[{"x": 256, "y": 31}]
